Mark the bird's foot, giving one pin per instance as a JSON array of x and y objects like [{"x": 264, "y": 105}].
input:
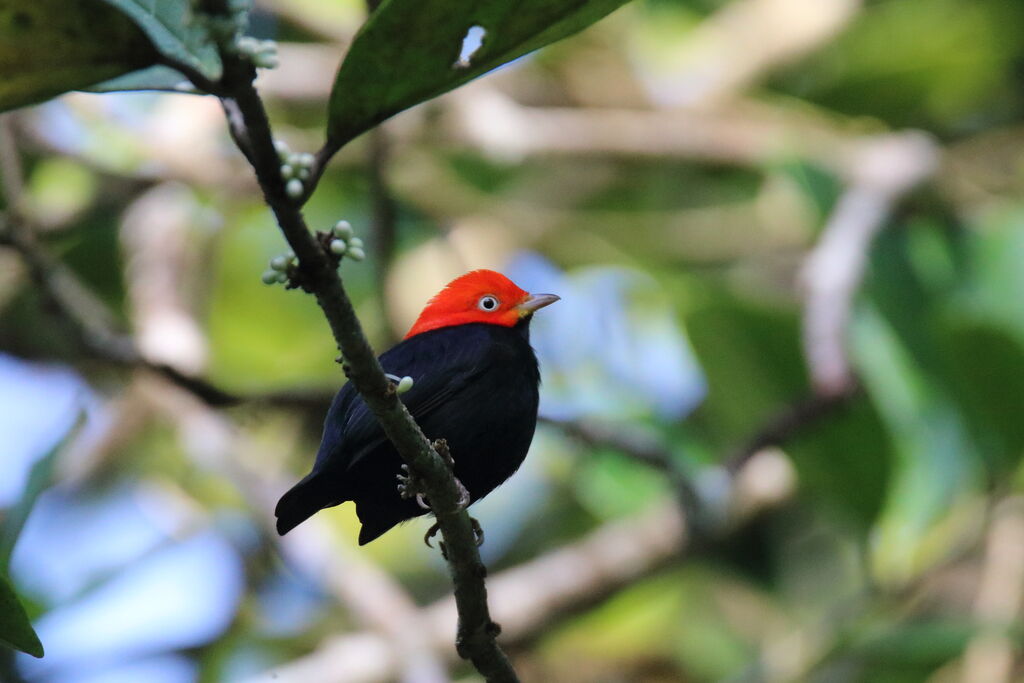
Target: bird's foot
[
  {"x": 478, "y": 536},
  {"x": 431, "y": 532},
  {"x": 410, "y": 487},
  {"x": 441, "y": 446}
]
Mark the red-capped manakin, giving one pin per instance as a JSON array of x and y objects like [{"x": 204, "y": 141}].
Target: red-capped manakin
[{"x": 475, "y": 384}]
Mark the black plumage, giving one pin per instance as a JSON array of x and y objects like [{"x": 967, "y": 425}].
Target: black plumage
[{"x": 475, "y": 385}]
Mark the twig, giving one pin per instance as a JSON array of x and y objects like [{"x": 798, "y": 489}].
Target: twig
[
  {"x": 879, "y": 172},
  {"x": 791, "y": 420},
  {"x": 641, "y": 447},
  {"x": 476, "y": 639},
  {"x": 989, "y": 657}
]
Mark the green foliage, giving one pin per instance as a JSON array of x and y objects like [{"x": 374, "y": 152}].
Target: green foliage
[
  {"x": 409, "y": 50},
  {"x": 48, "y": 47},
  {"x": 15, "y": 628},
  {"x": 176, "y": 31},
  {"x": 39, "y": 479},
  {"x": 921, "y": 63}
]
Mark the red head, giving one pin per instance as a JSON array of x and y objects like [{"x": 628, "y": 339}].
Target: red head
[{"x": 480, "y": 296}]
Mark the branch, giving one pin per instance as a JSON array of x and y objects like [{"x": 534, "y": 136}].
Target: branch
[
  {"x": 790, "y": 421},
  {"x": 880, "y": 171},
  {"x": 318, "y": 275}
]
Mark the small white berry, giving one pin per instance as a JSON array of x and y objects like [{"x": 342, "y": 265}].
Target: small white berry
[
  {"x": 247, "y": 45},
  {"x": 282, "y": 277},
  {"x": 338, "y": 247},
  {"x": 355, "y": 242},
  {"x": 281, "y": 147},
  {"x": 279, "y": 263},
  {"x": 306, "y": 159},
  {"x": 404, "y": 384},
  {"x": 265, "y": 60},
  {"x": 294, "y": 188},
  {"x": 302, "y": 174},
  {"x": 287, "y": 171},
  {"x": 356, "y": 254},
  {"x": 269, "y": 277},
  {"x": 343, "y": 229}
]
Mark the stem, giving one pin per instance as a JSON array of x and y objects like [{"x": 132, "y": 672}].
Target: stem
[{"x": 250, "y": 128}]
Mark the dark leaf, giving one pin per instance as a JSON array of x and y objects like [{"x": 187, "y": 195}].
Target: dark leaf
[
  {"x": 48, "y": 47},
  {"x": 15, "y": 628},
  {"x": 412, "y": 50},
  {"x": 176, "y": 32}
]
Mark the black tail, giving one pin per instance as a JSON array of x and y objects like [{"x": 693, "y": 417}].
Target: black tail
[{"x": 302, "y": 501}]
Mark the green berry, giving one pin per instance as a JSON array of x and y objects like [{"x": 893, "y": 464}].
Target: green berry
[
  {"x": 338, "y": 247},
  {"x": 302, "y": 174}
]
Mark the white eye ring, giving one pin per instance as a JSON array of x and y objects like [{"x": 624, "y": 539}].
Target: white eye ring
[{"x": 488, "y": 303}]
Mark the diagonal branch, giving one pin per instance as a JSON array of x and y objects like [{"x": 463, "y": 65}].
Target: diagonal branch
[{"x": 248, "y": 121}]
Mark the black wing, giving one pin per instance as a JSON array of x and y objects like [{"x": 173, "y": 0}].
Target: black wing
[{"x": 441, "y": 365}]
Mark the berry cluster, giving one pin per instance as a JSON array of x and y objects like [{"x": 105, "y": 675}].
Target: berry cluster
[
  {"x": 340, "y": 242},
  {"x": 262, "y": 53},
  {"x": 343, "y": 243},
  {"x": 295, "y": 168},
  {"x": 278, "y": 271},
  {"x": 227, "y": 29}
]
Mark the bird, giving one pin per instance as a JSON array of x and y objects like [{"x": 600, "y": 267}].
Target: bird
[{"x": 475, "y": 384}]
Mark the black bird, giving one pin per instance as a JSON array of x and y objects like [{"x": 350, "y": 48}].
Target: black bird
[{"x": 475, "y": 384}]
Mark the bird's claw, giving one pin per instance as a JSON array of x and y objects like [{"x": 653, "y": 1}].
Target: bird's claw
[
  {"x": 464, "y": 497},
  {"x": 478, "y": 536},
  {"x": 478, "y": 531},
  {"x": 409, "y": 488},
  {"x": 431, "y": 532},
  {"x": 441, "y": 447}
]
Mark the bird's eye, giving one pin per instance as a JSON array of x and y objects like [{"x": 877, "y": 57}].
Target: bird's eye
[{"x": 487, "y": 303}]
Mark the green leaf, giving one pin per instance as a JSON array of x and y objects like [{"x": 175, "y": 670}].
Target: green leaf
[
  {"x": 39, "y": 479},
  {"x": 173, "y": 28},
  {"x": 48, "y": 47},
  {"x": 409, "y": 51},
  {"x": 157, "y": 77},
  {"x": 15, "y": 628},
  {"x": 936, "y": 460}
]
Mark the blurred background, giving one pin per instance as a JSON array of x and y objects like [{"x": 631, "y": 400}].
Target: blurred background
[{"x": 782, "y": 428}]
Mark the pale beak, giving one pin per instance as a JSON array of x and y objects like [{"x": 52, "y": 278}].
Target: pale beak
[{"x": 535, "y": 302}]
